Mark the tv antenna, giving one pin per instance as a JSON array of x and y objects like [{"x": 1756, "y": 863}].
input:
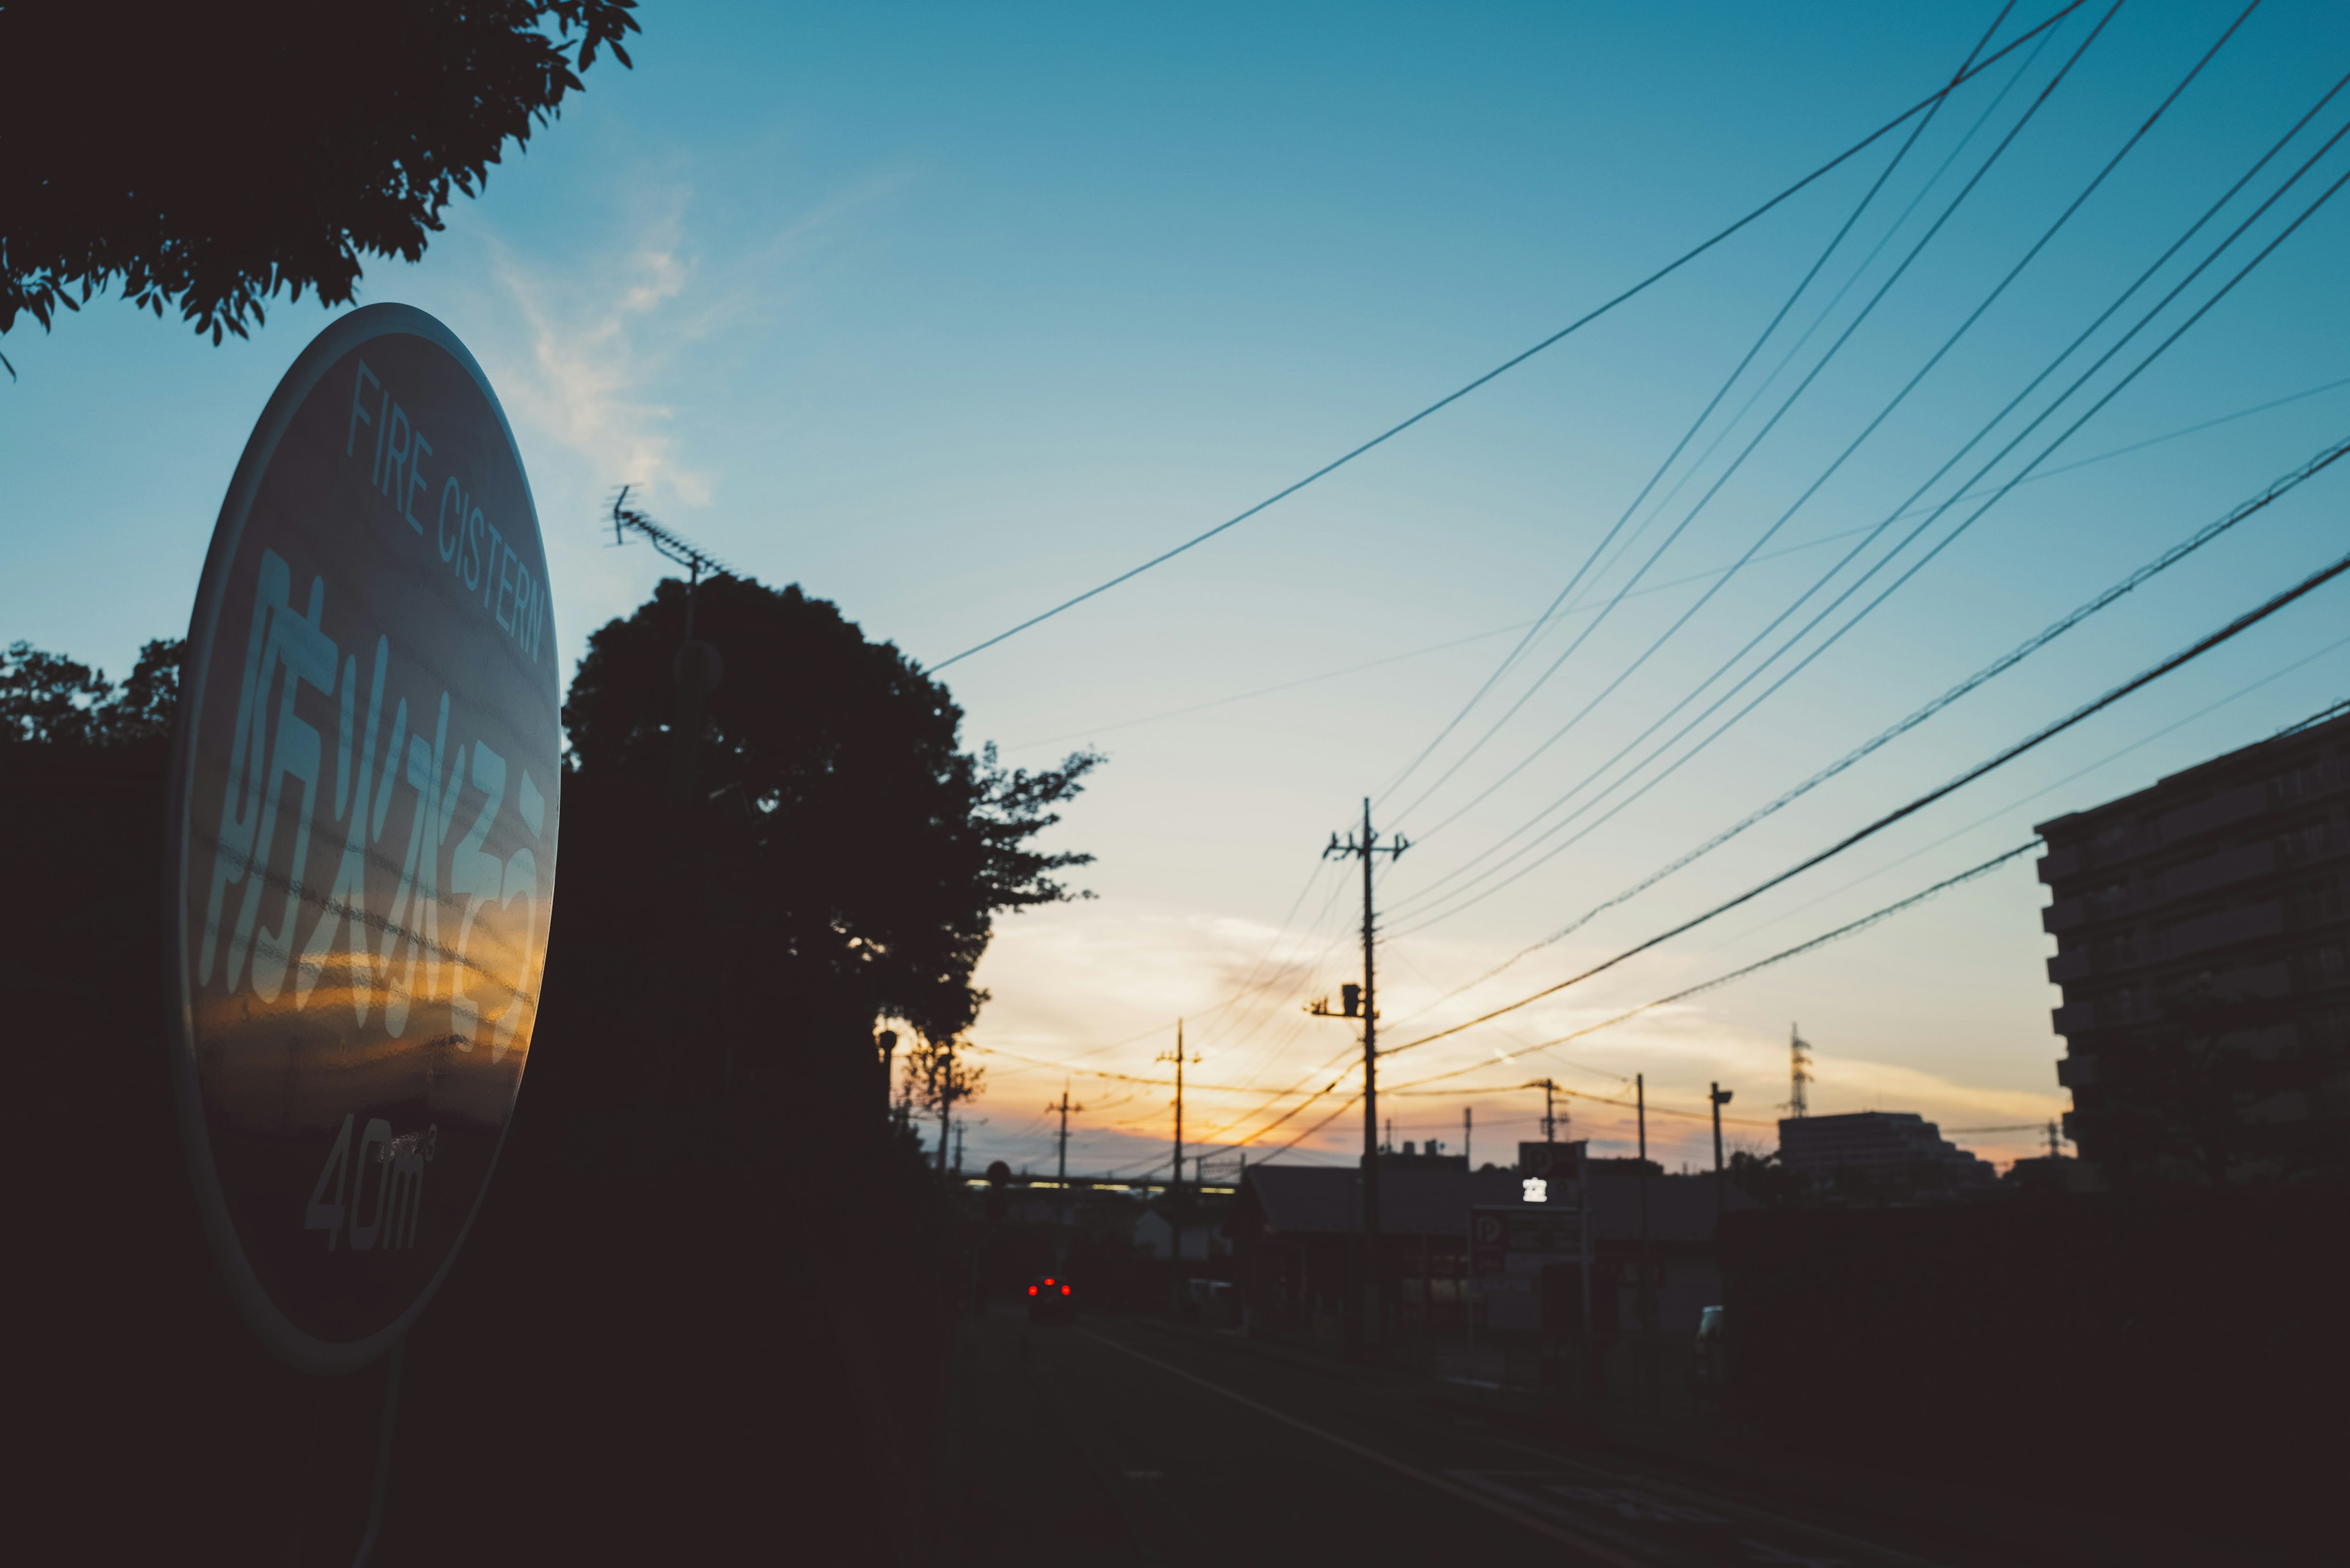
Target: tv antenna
[{"x": 668, "y": 545}]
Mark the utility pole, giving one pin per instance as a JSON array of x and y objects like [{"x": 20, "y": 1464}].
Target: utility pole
[
  {"x": 1721, "y": 1098},
  {"x": 1364, "y": 848},
  {"x": 1468, "y": 1126},
  {"x": 2056, "y": 1139},
  {"x": 1799, "y": 1072},
  {"x": 1550, "y": 1114},
  {"x": 946, "y": 1099},
  {"x": 1647, "y": 1298},
  {"x": 960, "y": 1133},
  {"x": 1175, "y": 1182},
  {"x": 1066, "y": 1108}
]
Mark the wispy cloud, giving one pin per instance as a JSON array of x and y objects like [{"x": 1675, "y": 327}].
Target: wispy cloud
[
  {"x": 597, "y": 339},
  {"x": 603, "y": 329}
]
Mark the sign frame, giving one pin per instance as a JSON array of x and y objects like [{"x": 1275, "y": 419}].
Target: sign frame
[{"x": 288, "y": 1341}]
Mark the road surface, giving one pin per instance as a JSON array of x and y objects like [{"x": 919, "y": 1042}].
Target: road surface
[{"x": 1117, "y": 1441}]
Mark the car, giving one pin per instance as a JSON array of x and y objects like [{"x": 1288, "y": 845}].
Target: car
[
  {"x": 1052, "y": 1300},
  {"x": 1709, "y": 1368}
]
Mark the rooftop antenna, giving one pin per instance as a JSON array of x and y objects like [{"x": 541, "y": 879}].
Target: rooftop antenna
[
  {"x": 696, "y": 666},
  {"x": 1799, "y": 1072},
  {"x": 668, "y": 545}
]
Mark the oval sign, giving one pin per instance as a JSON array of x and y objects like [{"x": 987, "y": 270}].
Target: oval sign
[{"x": 364, "y": 803}]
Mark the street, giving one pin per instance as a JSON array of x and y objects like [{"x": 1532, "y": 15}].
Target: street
[{"x": 1122, "y": 1441}]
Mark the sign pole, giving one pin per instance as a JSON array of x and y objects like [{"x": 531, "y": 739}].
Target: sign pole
[{"x": 384, "y": 1454}]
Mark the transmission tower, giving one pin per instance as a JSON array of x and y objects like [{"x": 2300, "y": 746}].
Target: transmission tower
[{"x": 1799, "y": 1072}]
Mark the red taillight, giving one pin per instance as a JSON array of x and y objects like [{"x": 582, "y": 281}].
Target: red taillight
[
  {"x": 1032, "y": 1289},
  {"x": 1064, "y": 1290},
  {"x": 1048, "y": 1278}
]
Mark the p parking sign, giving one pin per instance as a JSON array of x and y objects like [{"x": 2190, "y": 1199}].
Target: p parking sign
[{"x": 365, "y": 799}]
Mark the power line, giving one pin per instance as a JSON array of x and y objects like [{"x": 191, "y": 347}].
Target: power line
[
  {"x": 1519, "y": 358},
  {"x": 1995, "y": 497},
  {"x": 2010, "y": 806},
  {"x": 1309, "y": 1132},
  {"x": 1334, "y": 1061},
  {"x": 1305, "y": 973},
  {"x": 1122, "y": 1077},
  {"x": 1510, "y": 658},
  {"x": 1785, "y": 406},
  {"x": 2036, "y": 477},
  {"x": 1886, "y": 412},
  {"x": 1828, "y": 312},
  {"x": 1653, "y": 1110},
  {"x": 1852, "y": 927},
  {"x": 1345, "y": 1063},
  {"x": 1248, "y": 986},
  {"x": 1302, "y": 973},
  {"x": 1904, "y": 510},
  {"x": 2283, "y": 486},
  {"x": 2233, "y": 628},
  {"x": 1251, "y": 987}
]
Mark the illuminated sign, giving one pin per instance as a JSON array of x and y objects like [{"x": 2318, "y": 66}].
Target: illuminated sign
[
  {"x": 1552, "y": 1173},
  {"x": 363, "y": 814}
]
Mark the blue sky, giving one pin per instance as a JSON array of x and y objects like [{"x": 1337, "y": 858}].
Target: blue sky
[{"x": 949, "y": 314}]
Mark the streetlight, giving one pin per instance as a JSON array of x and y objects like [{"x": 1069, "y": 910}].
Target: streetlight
[{"x": 1720, "y": 1097}]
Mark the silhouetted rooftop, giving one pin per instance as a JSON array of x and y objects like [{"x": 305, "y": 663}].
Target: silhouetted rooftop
[{"x": 1328, "y": 1199}]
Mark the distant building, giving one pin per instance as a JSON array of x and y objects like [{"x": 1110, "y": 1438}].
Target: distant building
[
  {"x": 1294, "y": 1230},
  {"x": 2200, "y": 943},
  {"x": 1203, "y": 1243},
  {"x": 1879, "y": 1152},
  {"x": 1417, "y": 1157},
  {"x": 2051, "y": 1173}
]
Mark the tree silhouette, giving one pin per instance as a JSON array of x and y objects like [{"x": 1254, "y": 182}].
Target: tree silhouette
[
  {"x": 839, "y": 827},
  {"x": 47, "y": 699},
  {"x": 2182, "y": 1096},
  {"x": 209, "y": 156},
  {"x": 1762, "y": 1178}
]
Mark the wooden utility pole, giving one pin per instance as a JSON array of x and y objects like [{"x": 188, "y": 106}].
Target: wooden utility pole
[
  {"x": 1175, "y": 1178},
  {"x": 1646, "y": 1295},
  {"x": 1066, "y": 1108},
  {"x": 1365, "y": 848},
  {"x": 946, "y": 1101}
]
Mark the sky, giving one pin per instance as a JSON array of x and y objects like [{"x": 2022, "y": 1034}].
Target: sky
[{"x": 949, "y": 314}]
